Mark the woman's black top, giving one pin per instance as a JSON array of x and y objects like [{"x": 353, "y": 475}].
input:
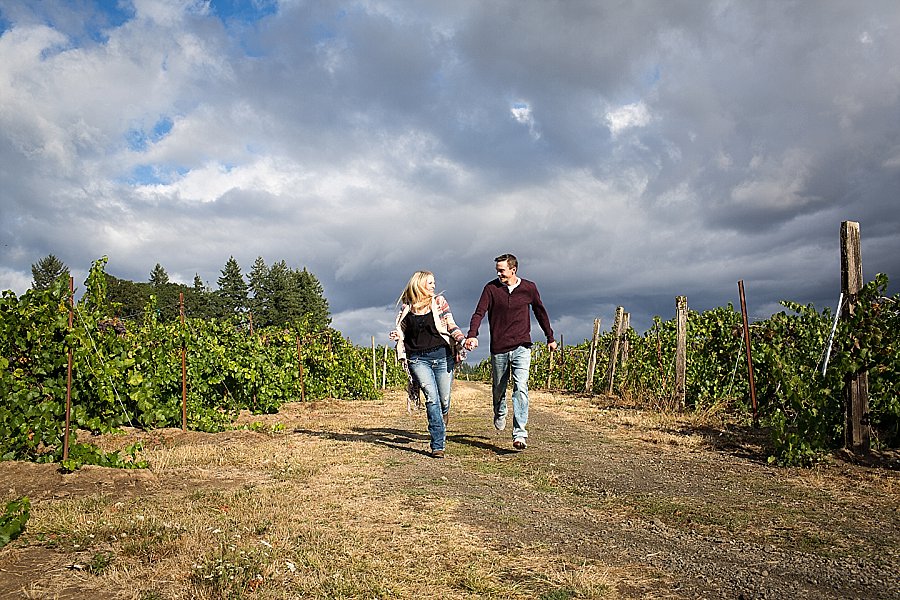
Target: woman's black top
[{"x": 420, "y": 333}]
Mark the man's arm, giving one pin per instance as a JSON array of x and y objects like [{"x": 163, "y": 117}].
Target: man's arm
[
  {"x": 484, "y": 303},
  {"x": 543, "y": 319}
]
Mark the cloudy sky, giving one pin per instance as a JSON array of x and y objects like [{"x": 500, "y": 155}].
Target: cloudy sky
[{"x": 627, "y": 152}]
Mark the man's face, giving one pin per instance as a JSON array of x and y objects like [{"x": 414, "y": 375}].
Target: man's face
[{"x": 505, "y": 274}]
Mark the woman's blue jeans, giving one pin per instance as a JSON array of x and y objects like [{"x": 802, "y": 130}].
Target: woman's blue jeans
[
  {"x": 517, "y": 363},
  {"x": 434, "y": 372}
]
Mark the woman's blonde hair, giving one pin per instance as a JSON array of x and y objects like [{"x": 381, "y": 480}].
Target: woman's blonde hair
[{"x": 416, "y": 294}]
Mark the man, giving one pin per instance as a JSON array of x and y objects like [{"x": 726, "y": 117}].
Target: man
[{"x": 506, "y": 300}]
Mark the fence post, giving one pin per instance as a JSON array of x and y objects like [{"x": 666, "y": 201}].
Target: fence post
[
  {"x": 856, "y": 385},
  {"x": 749, "y": 356},
  {"x": 183, "y": 366},
  {"x": 300, "y": 368},
  {"x": 549, "y": 366},
  {"x": 592, "y": 358},
  {"x": 681, "y": 310},
  {"x": 614, "y": 352},
  {"x": 626, "y": 346},
  {"x": 374, "y": 366},
  {"x": 384, "y": 369},
  {"x": 69, "y": 373},
  {"x": 562, "y": 359}
]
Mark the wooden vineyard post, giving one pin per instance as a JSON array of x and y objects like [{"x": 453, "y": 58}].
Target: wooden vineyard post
[
  {"x": 856, "y": 385},
  {"x": 562, "y": 360},
  {"x": 69, "y": 374},
  {"x": 183, "y": 366},
  {"x": 549, "y": 367},
  {"x": 384, "y": 369},
  {"x": 626, "y": 346},
  {"x": 749, "y": 356},
  {"x": 681, "y": 310},
  {"x": 300, "y": 367},
  {"x": 592, "y": 358},
  {"x": 374, "y": 366},
  {"x": 614, "y": 351}
]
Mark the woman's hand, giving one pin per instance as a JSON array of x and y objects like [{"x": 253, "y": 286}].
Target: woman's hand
[{"x": 394, "y": 335}]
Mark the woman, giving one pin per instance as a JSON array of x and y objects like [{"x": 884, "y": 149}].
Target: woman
[{"x": 431, "y": 343}]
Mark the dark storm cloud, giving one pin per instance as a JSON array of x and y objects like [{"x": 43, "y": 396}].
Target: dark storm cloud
[{"x": 627, "y": 152}]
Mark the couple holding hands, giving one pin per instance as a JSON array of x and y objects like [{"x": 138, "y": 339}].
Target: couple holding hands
[{"x": 431, "y": 343}]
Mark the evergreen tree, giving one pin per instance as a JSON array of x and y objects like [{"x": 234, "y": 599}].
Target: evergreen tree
[
  {"x": 261, "y": 288},
  {"x": 46, "y": 271},
  {"x": 127, "y": 297},
  {"x": 232, "y": 289},
  {"x": 287, "y": 303},
  {"x": 203, "y": 303},
  {"x": 158, "y": 276},
  {"x": 315, "y": 305},
  {"x": 282, "y": 295}
]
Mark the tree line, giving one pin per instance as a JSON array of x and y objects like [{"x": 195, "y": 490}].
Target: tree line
[{"x": 272, "y": 295}]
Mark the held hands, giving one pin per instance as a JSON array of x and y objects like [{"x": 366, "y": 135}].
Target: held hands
[
  {"x": 471, "y": 343},
  {"x": 552, "y": 346},
  {"x": 394, "y": 335}
]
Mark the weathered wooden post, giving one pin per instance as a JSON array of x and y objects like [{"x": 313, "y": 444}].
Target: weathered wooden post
[
  {"x": 749, "y": 354},
  {"x": 681, "y": 310},
  {"x": 549, "y": 366},
  {"x": 68, "y": 421},
  {"x": 183, "y": 365},
  {"x": 374, "y": 366},
  {"x": 626, "y": 346},
  {"x": 300, "y": 371},
  {"x": 592, "y": 358},
  {"x": 856, "y": 385},
  {"x": 614, "y": 351},
  {"x": 562, "y": 360}
]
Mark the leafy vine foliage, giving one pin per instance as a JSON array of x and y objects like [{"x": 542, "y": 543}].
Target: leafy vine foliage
[
  {"x": 803, "y": 408},
  {"x": 130, "y": 374},
  {"x": 12, "y": 521}
]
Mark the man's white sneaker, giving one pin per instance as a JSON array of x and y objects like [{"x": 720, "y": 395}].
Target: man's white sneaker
[
  {"x": 520, "y": 444},
  {"x": 500, "y": 422}
]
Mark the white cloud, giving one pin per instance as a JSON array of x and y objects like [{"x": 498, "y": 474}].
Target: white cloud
[
  {"x": 364, "y": 141},
  {"x": 521, "y": 112},
  {"x": 15, "y": 280},
  {"x": 627, "y": 117}
]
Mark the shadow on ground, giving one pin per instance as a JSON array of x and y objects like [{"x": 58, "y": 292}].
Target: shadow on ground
[{"x": 401, "y": 438}]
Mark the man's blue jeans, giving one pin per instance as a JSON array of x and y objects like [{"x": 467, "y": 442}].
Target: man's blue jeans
[
  {"x": 434, "y": 372},
  {"x": 516, "y": 362}
]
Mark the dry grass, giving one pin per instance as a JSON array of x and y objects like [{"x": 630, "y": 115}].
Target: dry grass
[
  {"x": 287, "y": 516},
  {"x": 337, "y": 500}
]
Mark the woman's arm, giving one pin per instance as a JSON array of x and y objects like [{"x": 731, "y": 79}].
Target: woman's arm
[{"x": 446, "y": 318}]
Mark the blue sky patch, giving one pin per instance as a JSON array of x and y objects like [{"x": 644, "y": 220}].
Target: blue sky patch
[
  {"x": 161, "y": 129},
  {"x": 148, "y": 174},
  {"x": 244, "y": 11},
  {"x": 138, "y": 140}
]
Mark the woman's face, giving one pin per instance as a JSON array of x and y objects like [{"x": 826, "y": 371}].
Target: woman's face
[{"x": 428, "y": 285}]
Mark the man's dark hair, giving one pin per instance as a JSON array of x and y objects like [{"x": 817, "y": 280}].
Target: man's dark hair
[{"x": 511, "y": 260}]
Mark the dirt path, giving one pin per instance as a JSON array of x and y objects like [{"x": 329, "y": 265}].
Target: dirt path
[
  {"x": 693, "y": 513},
  {"x": 606, "y": 502}
]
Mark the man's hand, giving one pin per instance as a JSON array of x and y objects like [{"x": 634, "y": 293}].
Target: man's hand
[
  {"x": 471, "y": 343},
  {"x": 552, "y": 346}
]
